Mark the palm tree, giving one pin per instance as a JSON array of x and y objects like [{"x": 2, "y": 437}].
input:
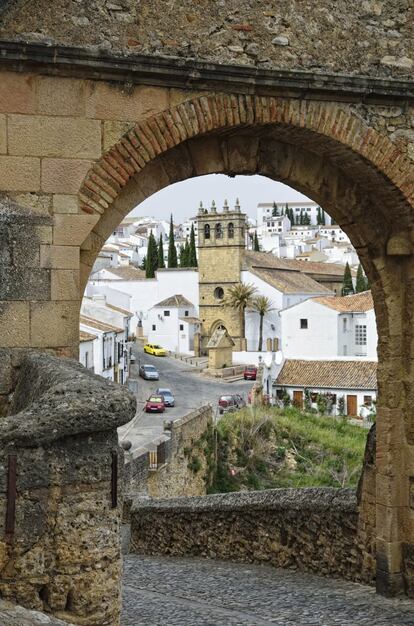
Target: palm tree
[
  {"x": 240, "y": 297},
  {"x": 263, "y": 305}
]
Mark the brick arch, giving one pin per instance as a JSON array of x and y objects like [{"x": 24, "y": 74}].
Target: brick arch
[
  {"x": 357, "y": 174},
  {"x": 208, "y": 114}
]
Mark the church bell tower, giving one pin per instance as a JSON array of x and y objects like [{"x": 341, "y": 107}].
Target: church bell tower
[{"x": 221, "y": 245}]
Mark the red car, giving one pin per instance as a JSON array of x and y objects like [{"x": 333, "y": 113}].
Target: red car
[
  {"x": 250, "y": 372},
  {"x": 230, "y": 403},
  {"x": 155, "y": 404}
]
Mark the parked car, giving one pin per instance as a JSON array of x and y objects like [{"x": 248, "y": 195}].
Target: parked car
[
  {"x": 250, "y": 372},
  {"x": 169, "y": 399},
  {"x": 155, "y": 404},
  {"x": 230, "y": 403},
  {"x": 149, "y": 372},
  {"x": 155, "y": 349}
]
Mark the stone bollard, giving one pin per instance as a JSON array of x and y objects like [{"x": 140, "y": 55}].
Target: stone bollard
[{"x": 61, "y": 492}]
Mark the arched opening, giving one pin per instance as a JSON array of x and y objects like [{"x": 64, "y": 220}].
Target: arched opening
[
  {"x": 230, "y": 231},
  {"x": 330, "y": 155},
  {"x": 207, "y": 231},
  {"x": 218, "y": 231}
]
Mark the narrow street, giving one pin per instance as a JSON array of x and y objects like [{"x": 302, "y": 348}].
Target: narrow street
[{"x": 190, "y": 389}]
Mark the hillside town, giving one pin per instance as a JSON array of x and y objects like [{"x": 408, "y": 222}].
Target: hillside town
[{"x": 286, "y": 288}]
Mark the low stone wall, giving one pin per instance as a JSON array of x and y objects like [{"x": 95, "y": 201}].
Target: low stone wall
[
  {"x": 314, "y": 529},
  {"x": 61, "y": 491}
]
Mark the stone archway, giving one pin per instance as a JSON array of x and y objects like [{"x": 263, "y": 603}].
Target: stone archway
[{"x": 359, "y": 176}]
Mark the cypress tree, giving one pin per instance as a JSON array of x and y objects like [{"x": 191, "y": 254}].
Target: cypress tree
[
  {"x": 143, "y": 263},
  {"x": 347, "y": 285},
  {"x": 361, "y": 282},
  {"x": 161, "y": 262},
  {"x": 172, "y": 251},
  {"x": 154, "y": 253},
  {"x": 193, "y": 250},
  {"x": 149, "y": 264},
  {"x": 275, "y": 212},
  {"x": 182, "y": 257},
  {"x": 318, "y": 216},
  {"x": 323, "y": 219},
  {"x": 256, "y": 246},
  {"x": 291, "y": 217},
  {"x": 306, "y": 219}
]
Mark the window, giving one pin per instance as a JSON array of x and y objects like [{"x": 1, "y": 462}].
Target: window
[
  {"x": 368, "y": 400},
  {"x": 345, "y": 351},
  {"x": 185, "y": 313},
  {"x": 86, "y": 359},
  {"x": 344, "y": 324},
  {"x": 219, "y": 293},
  {"x": 360, "y": 335},
  {"x": 303, "y": 323},
  {"x": 181, "y": 326},
  {"x": 166, "y": 314},
  {"x": 207, "y": 231},
  {"x": 219, "y": 231},
  {"x": 154, "y": 327},
  {"x": 230, "y": 230}
]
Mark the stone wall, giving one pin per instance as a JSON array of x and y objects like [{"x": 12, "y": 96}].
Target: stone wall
[
  {"x": 370, "y": 37},
  {"x": 61, "y": 491},
  {"x": 185, "y": 467},
  {"x": 312, "y": 529},
  {"x": 180, "y": 461}
]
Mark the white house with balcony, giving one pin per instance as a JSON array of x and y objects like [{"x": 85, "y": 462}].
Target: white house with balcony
[{"x": 330, "y": 327}]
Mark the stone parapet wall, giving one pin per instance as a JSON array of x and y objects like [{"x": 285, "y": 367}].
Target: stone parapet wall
[
  {"x": 313, "y": 529},
  {"x": 176, "y": 472},
  {"x": 61, "y": 491}
]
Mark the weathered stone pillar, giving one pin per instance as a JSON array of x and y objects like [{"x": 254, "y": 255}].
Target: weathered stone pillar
[
  {"x": 61, "y": 491},
  {"x": 395, "y": 423}
]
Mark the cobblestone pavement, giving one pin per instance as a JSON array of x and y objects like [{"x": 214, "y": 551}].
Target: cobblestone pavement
[{"x": 161, "y": 591}]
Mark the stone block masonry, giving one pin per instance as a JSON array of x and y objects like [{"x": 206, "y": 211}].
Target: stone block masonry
[
  {"x": 313, "y": 529},
  {"x": 61, "y": 491}
]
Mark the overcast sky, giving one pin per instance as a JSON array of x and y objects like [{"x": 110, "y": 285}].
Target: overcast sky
[{"x": 182, "y": 199}]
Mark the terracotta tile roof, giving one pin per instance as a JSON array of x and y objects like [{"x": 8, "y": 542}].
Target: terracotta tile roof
[
  {"x": 103, "y": 326},
  {"x": 290, "y": 282},
  {"x": 83, "y": 336},
  {"x": 269, "y": 260},
  {"x": 127, "y": 273},
  {"x": 174, "y": 301},
  {"x": 328, "y": 374},
  {"x": 357, "y": 303}
]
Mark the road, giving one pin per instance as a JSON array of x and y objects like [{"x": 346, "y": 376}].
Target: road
[{"x": 190, "y": 388}]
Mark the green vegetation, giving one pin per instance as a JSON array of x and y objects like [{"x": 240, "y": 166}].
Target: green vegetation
[
  {"x": 361, "y": 280},
  {"x": 151, "y": 263},
  {"x": 192, "y": 258},
  {"x": 347, "y": 285},
  {"x": 172, "y": 251},
  {"x": 266, "y": 448},
  {"x": 161, "y": 262}
]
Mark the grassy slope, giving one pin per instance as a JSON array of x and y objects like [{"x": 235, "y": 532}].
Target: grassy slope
[{"x": 268, "y": 448}]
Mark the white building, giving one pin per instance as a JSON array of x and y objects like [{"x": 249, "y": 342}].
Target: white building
[
  {"x": 350, "y": 387},
  {"x": 143, "y": 292},
  {"x": 173, "y": 323},
  {"x": 282, "y": 285},
  {"x": 265, "y": 210},
  {"x": 104, "y": 336},
  {"x": 330, "y": 327},
  {"x": 334, "y": 233}
]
